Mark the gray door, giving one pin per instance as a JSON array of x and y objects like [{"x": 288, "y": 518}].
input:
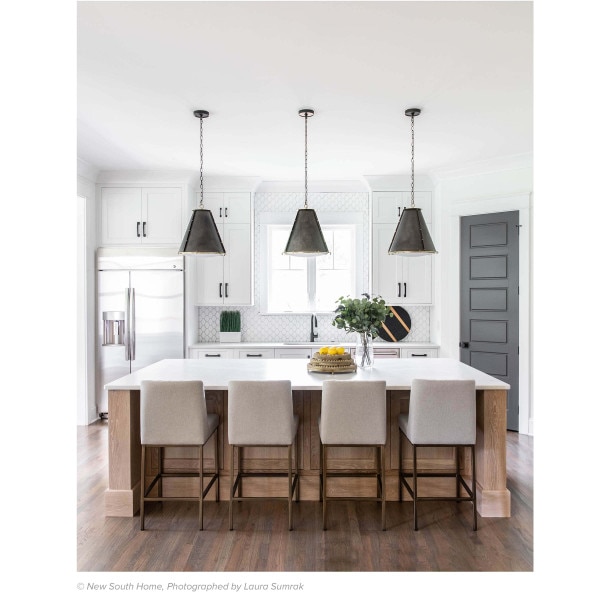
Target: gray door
[{"x": 489, "y": 300}]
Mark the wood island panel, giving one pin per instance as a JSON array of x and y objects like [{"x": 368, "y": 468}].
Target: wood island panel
[{"x": 122, "y": 497}]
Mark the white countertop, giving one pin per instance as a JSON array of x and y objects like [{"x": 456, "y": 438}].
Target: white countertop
[
  {"x": 376, "y": 344},
  {"x": 398, "y": 374}
]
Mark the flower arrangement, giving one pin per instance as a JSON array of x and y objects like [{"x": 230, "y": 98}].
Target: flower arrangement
[{"x": 363, "y": 316}]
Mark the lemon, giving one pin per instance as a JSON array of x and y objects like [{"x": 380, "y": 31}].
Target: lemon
[
  {"x": 340, "y": 350},
  {"x": 332, "y": 351},
  {"x": 324, "y": 350}
]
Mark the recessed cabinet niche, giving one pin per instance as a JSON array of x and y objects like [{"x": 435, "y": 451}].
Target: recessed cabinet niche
[
  {"x": 399, "y": 279},
  {"x": 141, "y": 215}
]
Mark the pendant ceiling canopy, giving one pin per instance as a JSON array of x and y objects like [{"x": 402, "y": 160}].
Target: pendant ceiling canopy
[
  {"x": 202, "y": 235},
  {"x": 306, "y": 238},
  {"x": 412, "y": 236}
]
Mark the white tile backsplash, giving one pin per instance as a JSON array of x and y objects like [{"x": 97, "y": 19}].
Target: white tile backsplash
[{"x": 293, "y": 328}]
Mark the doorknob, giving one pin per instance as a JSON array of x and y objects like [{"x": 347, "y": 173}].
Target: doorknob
[{"x": 463, "y": 344}]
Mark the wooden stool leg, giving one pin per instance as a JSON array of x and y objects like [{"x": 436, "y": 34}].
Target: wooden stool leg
[
  {"x": 415, "y": 488},
  {"x": 382, "y": 461},
  {"x": 201, "y": 486},
  {"x": 142, "y": 486},
  {"x": 232, "y": 479},
  {"x": 474, "y": 488},
  {"x": 324, "y": 468},
  {"x": 290, "y": 524}
]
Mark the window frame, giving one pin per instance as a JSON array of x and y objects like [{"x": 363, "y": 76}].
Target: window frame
[{"x": 341, "y": 219}]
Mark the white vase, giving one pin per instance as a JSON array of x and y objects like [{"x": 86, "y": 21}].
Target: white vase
[
  {"x": 230, "y": 336},
  {"x": 364, "y": 356}
]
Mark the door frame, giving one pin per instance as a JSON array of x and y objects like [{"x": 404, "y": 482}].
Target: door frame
[{"x": 521, "y": 203}]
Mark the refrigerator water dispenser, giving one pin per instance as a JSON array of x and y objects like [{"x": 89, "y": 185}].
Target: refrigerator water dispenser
[{"x": 114, "y": 328}]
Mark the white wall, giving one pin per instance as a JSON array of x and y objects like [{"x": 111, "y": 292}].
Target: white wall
[
  {"x": 484, "y": 188},
  {"x": 86, "y": 245}
]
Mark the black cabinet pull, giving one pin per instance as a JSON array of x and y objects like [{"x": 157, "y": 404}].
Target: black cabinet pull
[
  {"x": 463, "y": 344},
  {"x": 418, "y": 354},
  {"x": 138, "y": 229},
  {"x": 226, "y": 290},
  {"x": 225, "y": 212},
  {"x": 221, "y": 212},
  {"x": 220, "y": 290},
  {"x": 399, "y": 291},
  {"x": 405, "y": 289},
  {"x": 144, "y": 229},
  {"x": 253, "y": 355},
  {"x": 212, "y": 355},
  {"x": 399, "y": 210}
]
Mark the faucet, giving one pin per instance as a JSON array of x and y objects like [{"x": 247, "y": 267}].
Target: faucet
[{"x": 313, "y": 327}]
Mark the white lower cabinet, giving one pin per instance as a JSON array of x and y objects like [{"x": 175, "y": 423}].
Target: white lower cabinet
[
  {"x": 212, "y": 353},
  {"x": 419, "y": 352},
  {"x": 294, "y": 352},
  {"x": 255, "y": 353}
]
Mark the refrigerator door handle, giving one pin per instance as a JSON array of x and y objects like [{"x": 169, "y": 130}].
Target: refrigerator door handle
[
  {"x": 132, "y": 323},
  {"x": 127, "y": 333}
]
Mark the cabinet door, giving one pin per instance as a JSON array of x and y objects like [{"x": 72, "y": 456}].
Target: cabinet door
[
  {"x": 121, "y": 216},
  {"x": 415, "y": 280},
  {"x": 210, "y": 289},
  {"x": 211, "y": 353},
  {"x": 419, "y": 352},
  {"x": 237, "y": 275},
  {"x": 386, "y": 268},
  {"x": 213, "y": 201},
  {"x": 161, "y": 216},
  {"x": 387, "y": 206},
  {"x": 236, "y": 208}
]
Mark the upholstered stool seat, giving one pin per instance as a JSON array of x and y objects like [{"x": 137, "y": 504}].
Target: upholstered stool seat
[
  {"x": 441, "y": 413},
  {"x": 173, "y": 413},
  {"x": 353, "y": 413},
  {"x": 261, "y": 413}
]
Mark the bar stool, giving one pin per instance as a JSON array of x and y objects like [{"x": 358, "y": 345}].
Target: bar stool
[
  {"x": 353, "y": 413},
  {"x": 260, "y": 413},
  {"x": 441, "y": 413},
  {"x": 173, "y": 413}
]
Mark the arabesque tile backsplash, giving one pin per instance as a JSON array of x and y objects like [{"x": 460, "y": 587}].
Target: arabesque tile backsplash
[{"x": 258, "y": 327}]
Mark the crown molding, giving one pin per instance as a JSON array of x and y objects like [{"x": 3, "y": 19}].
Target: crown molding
[
  {"x": 394, "y": 183},
  {"x": 87, "y": 171},
  {"x": 503, "y": 163}
]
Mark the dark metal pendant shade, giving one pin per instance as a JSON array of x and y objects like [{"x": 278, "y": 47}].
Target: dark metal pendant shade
[
  {"x": 202, "y": 235},
  {"x": 306, "y": 238},
  {"x": 411, "y": 235}
]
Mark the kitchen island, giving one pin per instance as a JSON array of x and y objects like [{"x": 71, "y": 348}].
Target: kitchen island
[{"x": 122, "y": 495}]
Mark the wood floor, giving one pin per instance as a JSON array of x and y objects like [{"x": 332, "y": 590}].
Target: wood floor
[{"x": 261, "y": 541}]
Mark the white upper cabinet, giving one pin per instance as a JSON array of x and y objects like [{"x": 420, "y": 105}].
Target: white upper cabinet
[
  {"x": 134, "y": 215},
  {"x": 387, "y": 206},
  {"x": 227, "y": 207},
  {"x": 228, "y": 280},
  {"x": 399, "y": 279}
]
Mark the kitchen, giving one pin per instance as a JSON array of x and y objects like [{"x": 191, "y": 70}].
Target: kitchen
[{"x": 354, "y": 196}]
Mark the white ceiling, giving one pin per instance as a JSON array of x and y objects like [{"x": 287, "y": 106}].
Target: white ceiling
[{"x": 143, "y": 67}]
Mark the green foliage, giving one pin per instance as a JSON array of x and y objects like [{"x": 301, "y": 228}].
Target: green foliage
[
  {"x": 361, "y": 315},
  {"x": 230, "y": 320}
]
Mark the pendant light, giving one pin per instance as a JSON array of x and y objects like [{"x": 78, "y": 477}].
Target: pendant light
[
  {"x": 306, "y": 238},
  {"x": 412, "y": 236},
  {"x": 202, "y": 235}
]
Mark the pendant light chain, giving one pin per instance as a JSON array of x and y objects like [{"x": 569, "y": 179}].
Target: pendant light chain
[
  {"x": 305, "y": 160},
  {"x": 412, "y": 187},
  {"x": 201, "y": 165}
]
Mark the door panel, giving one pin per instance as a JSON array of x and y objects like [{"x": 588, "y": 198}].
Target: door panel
[
  {"x": 158, "y": 322},
  {"x": 489, "y": 300}
]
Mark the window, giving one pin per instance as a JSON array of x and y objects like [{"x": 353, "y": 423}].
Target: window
[{"x": 301, "y": 285}]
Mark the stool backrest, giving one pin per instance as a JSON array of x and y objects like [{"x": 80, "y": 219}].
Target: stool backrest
[
  {"x": 260, "y": 413},
  {"x": 173, "y": 412},
  {"x": 353, "y": 412},
  {"x": 442, "y": 412}
]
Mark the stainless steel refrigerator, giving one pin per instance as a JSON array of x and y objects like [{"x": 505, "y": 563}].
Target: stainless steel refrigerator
[{"x": 140, "y": 312}]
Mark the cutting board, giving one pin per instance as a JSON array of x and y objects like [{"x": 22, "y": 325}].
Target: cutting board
[{"x": 395, "y": 327}]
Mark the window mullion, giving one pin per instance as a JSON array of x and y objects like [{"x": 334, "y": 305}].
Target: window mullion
[{"x": 311, "y": 283}]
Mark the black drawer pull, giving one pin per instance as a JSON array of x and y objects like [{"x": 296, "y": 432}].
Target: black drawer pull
[
  {"x": 138, "y": 228},
  {"x": 212, "y": 355},
  {"x": 226, "y": 290},
  {"x": 418, "y": 354},
  {"x": 225, "y": 212},
  {"x": 253, "y": 355},
  {"x": 405, "y": 289},
  {"x": 399, "y": 291},
  {"x": 220, "y": 290},
  {"x": 220, "y": 212}
]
